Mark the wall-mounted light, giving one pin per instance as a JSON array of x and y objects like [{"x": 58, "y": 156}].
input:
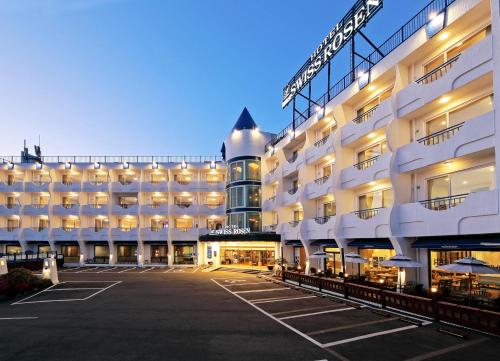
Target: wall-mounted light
[
  {"x": 38, "y": 165},
  {"x": 154, "y": 165},
  {"x": 97, "y": 165},
  {"x": 67, "y": 165},
  {"x": 320, "y": 112},
  {"x": 126, "y": 165},
  {"x": 212, "y": 164},
  {"x": 363, "y": 79},
  {"x": 184, "y": 165},
  {"x": 10, "y": 165},
  {"x": 435, "y": 24}
]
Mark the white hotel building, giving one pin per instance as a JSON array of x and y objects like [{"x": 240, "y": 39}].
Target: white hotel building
[{"x": 400, "y": 157}]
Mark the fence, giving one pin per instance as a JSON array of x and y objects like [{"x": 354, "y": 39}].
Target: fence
[{"x": 483, "y": 320}]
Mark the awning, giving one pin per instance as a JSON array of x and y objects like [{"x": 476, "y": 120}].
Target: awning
[
  {"x": 252, "y": 237},
  {"x": 67, "y": 243},
  {"x": 374, "y": 243},
  {"x": 483, "y": 241},
  {"x": 294, "y": 242},
  {"x": 324, "y": 242},
  {"x": 97, "y": 242},
  {"x": 184, "y": 243},
  {"x": 159, "y": 243},
  {"x": 10, "y": 243},
  {"x": 125, "y": 243},
  {"x": 39, "y": 243}
]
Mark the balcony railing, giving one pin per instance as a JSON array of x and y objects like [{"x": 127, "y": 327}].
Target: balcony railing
[
  {"x": 99, "y": 229},
  {"x": 321, "y": 180},
  {"x": 120, "y": 158},
  {"x": 69, "y": 229},
  {"x": 293, "y": 158},
  {"x": 438, "y": 72},
  {"x": 293, "y": 190},
  {"x": 183, "y": 229},
  {"x": 126, "y": 205},
  {"x": 365, "y": 116},
  {"x": 366, "y": 163},
  {"x": 39, "y": 205},
  {"x": 11, "y": 229},
  {"x": 322, "y": 141},
  {"x": 96, "y": 205},
  {"x": 367, "y": 213},
  {"x": 441, "y": 136},
  {"x": 214, "y": 205},
  {"x": 444, "y": 203},
  {"x": 294, "y": 223},
  {"x": 183, "y": 204},
  {"x": 274, "y": 169},
  {"x": 69, "y": 205},
  {"x": 322, "y": 220}
]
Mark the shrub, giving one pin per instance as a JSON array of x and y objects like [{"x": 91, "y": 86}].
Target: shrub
[{"x": 21, "y": 281}]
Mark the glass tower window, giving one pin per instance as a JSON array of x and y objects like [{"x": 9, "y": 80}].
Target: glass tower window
[
  {"x": 253, "y": 169},
  {"x": 236, "y": 171},
  {"x": 253, "y": 196}
]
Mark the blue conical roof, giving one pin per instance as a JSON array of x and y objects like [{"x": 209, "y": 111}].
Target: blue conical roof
[{"x": 245, "y": 121}]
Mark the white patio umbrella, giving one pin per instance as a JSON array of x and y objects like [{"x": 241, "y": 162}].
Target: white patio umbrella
[
  {"x": 469, "y": 265},
  {"x": 354, "y": 258},
  {"x": 318, "y": 255},
  {"x": 400, "y": 261}
]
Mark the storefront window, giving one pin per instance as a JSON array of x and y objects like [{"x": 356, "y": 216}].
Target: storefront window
[
  {"x": 333, "y": 260},
  {"x": 255, "y": 254},
  {"x": 44, "y": 249},
  {"x": 13, "y": 250},
  {"x": 159, "y": 254},
  {"x": 101, "y": 254},
  {"x": 71, "y": 253},
  {"x": 127, "y": 254},
  {"x": 183, "y": 254},
  {"x": 373, "y": 271}
]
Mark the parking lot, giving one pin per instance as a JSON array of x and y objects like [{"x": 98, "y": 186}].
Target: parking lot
[{"x": 182, "y": 313}]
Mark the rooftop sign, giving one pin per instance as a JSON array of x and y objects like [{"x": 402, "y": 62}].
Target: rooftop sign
[{"x": 353, "y": 21}]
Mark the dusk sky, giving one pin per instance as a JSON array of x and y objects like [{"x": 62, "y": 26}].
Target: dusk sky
[{"x": 157, "y": 77}]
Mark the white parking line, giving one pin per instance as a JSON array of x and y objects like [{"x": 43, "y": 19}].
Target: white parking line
[
  {"x": 282, "y": 299},
  {"x": 245, "y": 283},
  {"x": 369, "y": 335},
  {"x": 87, "y": 270},
  {"x": 107, "y": 269},
  {"x": 148, "y": 269},
  {"x": 127, "y": 269},
  {"x": 317, "y": 313},
  {"x": 17, "y": 318},
  {"x": 73, "y": 289},
  {"x": 264, "y": 290},
  {"x": 169, "y": 270}
]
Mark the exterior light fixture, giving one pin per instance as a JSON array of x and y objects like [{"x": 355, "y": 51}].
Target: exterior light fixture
[
  {"x": 363, "y": 79},
  {"x": 212, "y": 164},
  {"x": 154, "y": 165},
  {"x": 184, "y": 165},
  {"x": 444, "y": 100},
  {"x": 38, "y": 165},
  {"x": 125, "y": 165},
  {"x": 435, "y": 24},
  {"x": 97, "y": 165},
  {"x": 67, "y": 165},
  {"x": 10, "y": 165},
  {"x": 320, "y": 112}
]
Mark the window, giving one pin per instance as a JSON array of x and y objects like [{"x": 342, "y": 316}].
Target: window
[
  {"x": 298, "y": 215},
  {"x": 327, "y": 170},
  {"x": 253, "y": 170},
  {"x": 376, "y": 199},
  {"x": 329, "y": 209},
  {"x": 374, "y": 102},
  {"x": 254, "y": 221},
  {"x": 100, "y": 223},
  {"x": 237, "y": 219},
  {"x": 236, "y": 171},
  {"x": 101, "y": 251},
  {"x": 126, "y": 224},
  {"x": 69, "y": 224},
  {"x": 373, "y": 151},
  {"x": 253, "y": 196},
  {"x": 236, "y": 197},
  {"x": 183, "y": 223}
]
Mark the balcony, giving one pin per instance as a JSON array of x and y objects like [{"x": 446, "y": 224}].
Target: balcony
[
  {"x": 319, "y": 187},
  {"x": 124, "y": 209},
  {"x": 184, "y": 234},
  {"x": 293, "y": 164},
  {"x": 154, "y": 186},
  {"x": 270, "y": 228},
  {"x": 35, "y": 210},
  {"x": 153, "y": 209},
  {"x": 473, "y": 63},
  {"x": 64, "y": 234},
  {"x": 125, "y": 187},
  {"x": 460, "y": 214},
  {"x": 462, "y": 139},
  {"x": 320, "y": 228},
  {"x": 94, "y": 234},
  {"x": 154, "y": 234},
  {"x": 273, "y": 175},
  {"x": 35, "y": 234},
  {"x": 67, "y": 186},
  {"x": 366, "y": 171},
  {"x": 36, "y": 187},
  {"x": 94, "y": 209},
  {"x": 181, "y": 208},
  {"x": 95, "y": 186},
  {"x": 206, "y": 186},
  {"x": 65, "y": 209},
  {"x": 320, "y": 149},
  {"x": 10, "y": 210},
  {"x": 373, "y": 119},
  {"x": 183, "y": 186},
  {"x": 292, "y": 196},
  {"x": 124, "y": 234},
  {"x": 14, "y": 187},
  {"x": 269, "y": 204},
  {"x": 9, "y": 234},
  {"x": 366, "y": 223},
  {"x": 206, "y": 209},
  {"x": 290, "y": 230}
]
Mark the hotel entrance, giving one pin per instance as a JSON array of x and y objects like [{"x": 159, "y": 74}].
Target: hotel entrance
[{"x": 254, "y": 254}]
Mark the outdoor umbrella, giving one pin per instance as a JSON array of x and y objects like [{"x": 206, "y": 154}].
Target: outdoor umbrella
[
  {"x": 319, "y": 255},
  {"x": 469, "y": 265},
  {"x": 400, "y": 261},
  {"x": 354, "y": 258}
]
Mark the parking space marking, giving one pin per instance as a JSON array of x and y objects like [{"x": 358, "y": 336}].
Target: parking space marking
[
  {"x": 169, "y": 270},
  {"x": 446, "y": 350},
  {"x": 148, "y": 269},
  {"x": 338, "y": 328},
  {"x": 69, "y": 269},
  {"x": 72, "y": 289},
  {"x": 51, "y": 289},
  {"x": 300, "y": 310},
  {"x": 87, "y": 269},
  {"x": 263, "y": 290},
  {"x": 317, "y": 313},
  {"x": 127, "y": 269},
  {"x": 18, "y": 318},
  {"x": 281, "y": 299},
  {"x": 368, "y": 335},
  {"x": 245, "y": 283},
  {"x": 107, "y": 269}
]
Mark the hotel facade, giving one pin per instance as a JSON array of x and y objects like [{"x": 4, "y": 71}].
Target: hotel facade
[{"x": 398, "y": 157}]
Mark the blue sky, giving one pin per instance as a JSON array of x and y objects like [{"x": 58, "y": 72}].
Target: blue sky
[{"x": 157, "y": 77}]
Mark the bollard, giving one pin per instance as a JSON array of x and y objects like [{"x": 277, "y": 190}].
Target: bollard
[
  {"x": 3, "y": 266},
  {"x": 50, "y": 270}
]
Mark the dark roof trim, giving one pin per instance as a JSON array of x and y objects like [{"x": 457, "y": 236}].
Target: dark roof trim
[
  {"x": 324, "y": 242},
  {"x": 477, "y": 241},
  {"x": 254, "y": 236},
  {"x": 243, "y": 157},
  {"x": 245, "y": 121},
  {"x": 372, "y": 243}
]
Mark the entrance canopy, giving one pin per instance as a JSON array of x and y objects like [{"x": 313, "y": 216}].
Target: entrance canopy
[
  {"x": 252, "y": 237},
  {"x": 482, "y": 241},
  {"x": 294, "y": 242},
  {"x": 324, "y": 242},
  {"x": 375, "y": 243},
  {"x": 184, "y": 243}
]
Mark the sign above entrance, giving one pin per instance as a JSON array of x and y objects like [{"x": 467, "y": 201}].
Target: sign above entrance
[
  {"x": 229, "y": 230},
  {"x": 353, "y": 21}
]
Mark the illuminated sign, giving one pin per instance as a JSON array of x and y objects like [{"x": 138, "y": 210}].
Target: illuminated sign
[
  {"x": 352, "y": 22},
  {"x": 231, "y": 230}
]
